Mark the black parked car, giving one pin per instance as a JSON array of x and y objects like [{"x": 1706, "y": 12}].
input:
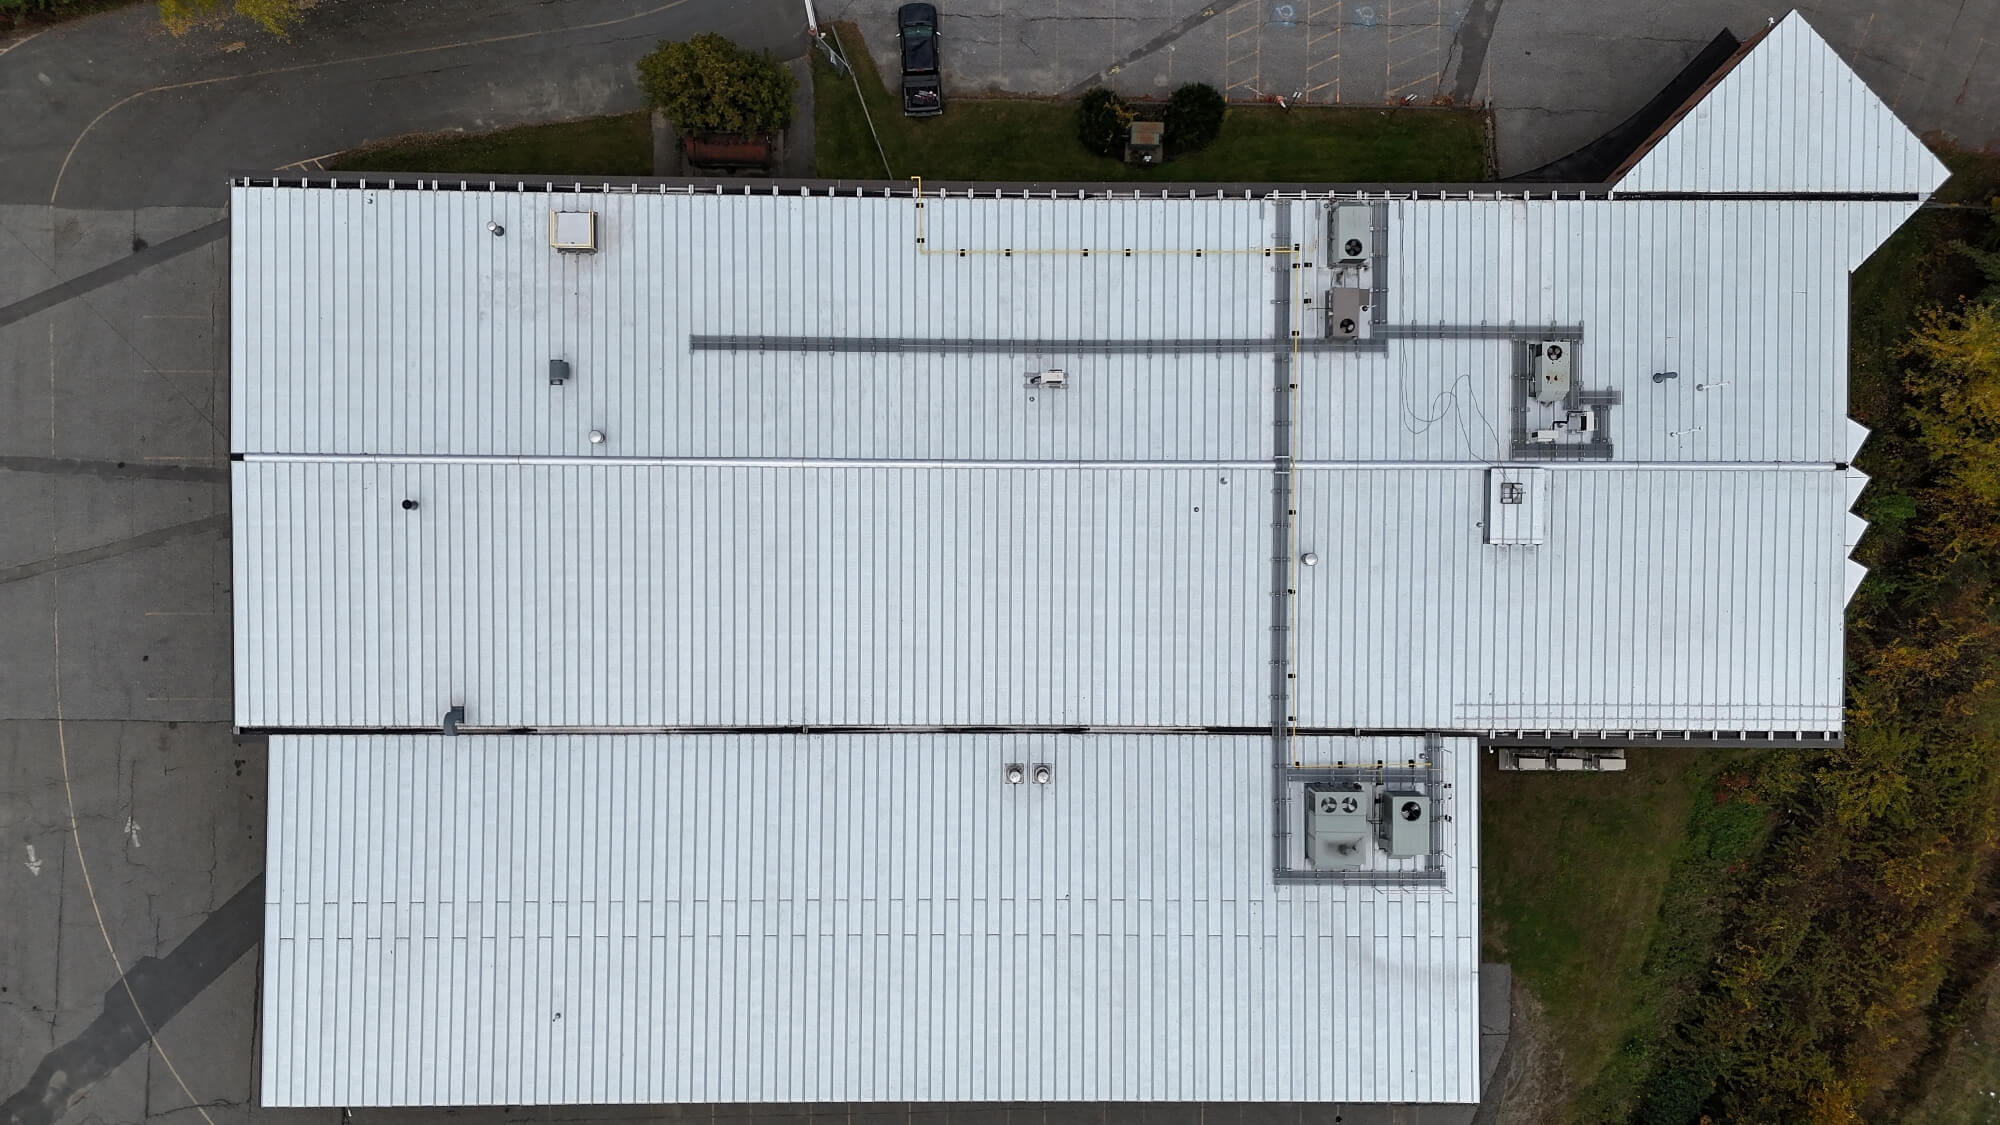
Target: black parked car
[{"x": 917, "y": 34}]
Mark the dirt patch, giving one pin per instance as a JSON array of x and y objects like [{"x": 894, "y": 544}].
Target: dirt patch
[{"x": 1535, "y": 1087}]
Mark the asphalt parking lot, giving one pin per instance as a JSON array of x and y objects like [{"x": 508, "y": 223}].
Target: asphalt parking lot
[
  {"x": 130, "y": 815},
  {"x": 1557, "y": 73}
]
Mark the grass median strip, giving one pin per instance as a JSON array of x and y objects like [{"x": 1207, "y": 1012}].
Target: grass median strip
[{"x": 593, "y": 146}]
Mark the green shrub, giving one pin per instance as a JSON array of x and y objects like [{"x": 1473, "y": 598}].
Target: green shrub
[
  {"x": 1194, "y": 117},
  {"x": 1102, "y": 121},
  {"x": 278, "y": 17},
  {"x": 709, "y": 85}
]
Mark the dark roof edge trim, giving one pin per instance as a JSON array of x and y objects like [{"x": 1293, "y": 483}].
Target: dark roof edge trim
[{"x": 1694, "y": 99}]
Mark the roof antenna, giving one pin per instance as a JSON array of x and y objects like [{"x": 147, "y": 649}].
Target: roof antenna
[{"x": 454, "y": 717}]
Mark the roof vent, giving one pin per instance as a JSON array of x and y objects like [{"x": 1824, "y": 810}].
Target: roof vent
[
  {"x": 558, "y": 372},
  {"x": 573, "y": 232},
  {"x": 1515, "y": 503}
]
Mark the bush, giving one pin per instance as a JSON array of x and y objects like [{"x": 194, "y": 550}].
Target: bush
[
  {"x": 1102, "y": 121},
  {"x": 44, "y": 8},
  {"x": 1194, "y": 117},
  {"x": 709, "y": 85},
  {"x": 278, "y": 17}
]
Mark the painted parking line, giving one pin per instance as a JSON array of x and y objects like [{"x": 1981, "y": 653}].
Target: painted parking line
[
  {"x": 1420, "y": 65},
  {"x": 1323, "y": 51},
  {"x": 1863, "y": 43},
  {"x": 1241, "y": 68}
]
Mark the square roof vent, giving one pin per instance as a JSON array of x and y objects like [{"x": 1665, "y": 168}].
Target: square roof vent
[
  {"x": 1516, "y": 506},
  {"x": 573, "y": 232}
]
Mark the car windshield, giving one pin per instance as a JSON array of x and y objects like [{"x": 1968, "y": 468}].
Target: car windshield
[{"x": 917, "y": 34}]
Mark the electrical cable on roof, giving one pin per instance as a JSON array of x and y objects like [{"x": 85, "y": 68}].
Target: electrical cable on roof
[{"x": 1454, "y": 407}]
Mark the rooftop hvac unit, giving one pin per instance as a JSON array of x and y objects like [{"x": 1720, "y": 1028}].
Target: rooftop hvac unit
[
  {"x": 1351, "y": 233},
  {"x": 1552, "y": 361},
  {"x": 1055, "y": 379},
  {"x": 1336, "y": 826},
  {"x": 1406, "y": 824},
  {"x": 1345, "y": 308},
  {"x": 573, "y": 232}
]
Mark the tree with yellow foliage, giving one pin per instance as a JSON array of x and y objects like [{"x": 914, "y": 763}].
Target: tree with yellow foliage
[
  {"x": 278, "y": 17},
  {"x": 1956, "y": 408}
]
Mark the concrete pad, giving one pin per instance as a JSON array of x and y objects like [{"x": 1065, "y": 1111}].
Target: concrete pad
[
  {"x": 118, "y": 1099},
  {"x": 201, "y": 1075},
  {"x": 27, "y": 666},
  {"x": 1496, "y": 986},
  {"x": 129, "y": 652}
]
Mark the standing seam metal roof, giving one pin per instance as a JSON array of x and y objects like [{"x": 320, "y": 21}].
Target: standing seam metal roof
[{"x": 521, "y": 920}]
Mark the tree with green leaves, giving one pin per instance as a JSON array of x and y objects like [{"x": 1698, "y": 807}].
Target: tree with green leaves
[
  {"x": 1102, "y": 121},
  {"x": 709, "y": 85},
  {"x": 1194, "y": 116}
]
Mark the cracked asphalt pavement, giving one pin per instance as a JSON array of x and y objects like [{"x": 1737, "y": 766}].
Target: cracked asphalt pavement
[{"x": 115, "y": 667}]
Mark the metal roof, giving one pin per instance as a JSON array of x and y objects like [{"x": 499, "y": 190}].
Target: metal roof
[
  {"x": 800, "y": 473},
  {"x": 888, "y": 523},
  {"x": 1659, "y": 598},
  {"x": 676, "y": 595},
  {"x": 401, "y": 327},
  {"x": 688, "y": 595},
  {"x": 521, "y": 920},
  {"x": 1789, "y": 117}
]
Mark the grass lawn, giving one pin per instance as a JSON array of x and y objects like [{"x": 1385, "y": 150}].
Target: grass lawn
[
  {"x": 594, "y": 146},
  {"x": 1016, "y": 140},
  {"x": 1962, "y": 1090},
  {"x": 1574, "y": 871}
]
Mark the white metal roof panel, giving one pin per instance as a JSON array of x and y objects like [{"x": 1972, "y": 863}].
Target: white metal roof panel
[
  {"x": 634, "y": 595},
  {"x": 1789, "y": 117},
  {"x": 399, "y": 326},
  {"x": 391, "y": 321},
  {"x": 679, "y": 595},
  {"x": 522, "y": 920},
  {"x": 1660, "y": 599},
  {"x": 1745, "y": 301}
]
